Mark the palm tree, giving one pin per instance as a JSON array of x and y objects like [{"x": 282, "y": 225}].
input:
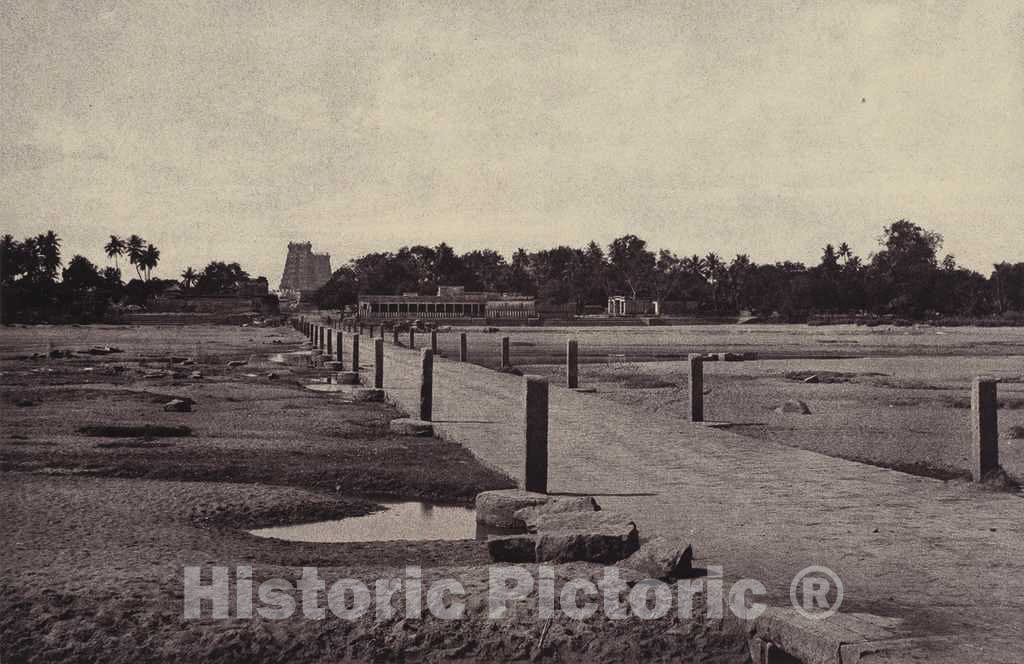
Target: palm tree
[
  {"x": 115, "y": 248},
  {"x": 134, "y": 247},
  {"x": 714, "y": 268},
  {"x": 189, "y": 277},
  {"x": 695, "y": 265},
  {"x": 149, "y": 259},
  {"x": 48, "y": 246},
  {"x": 845, "y": 252}
]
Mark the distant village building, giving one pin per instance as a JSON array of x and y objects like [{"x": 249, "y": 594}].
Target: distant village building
[
  {"x": 304, "y": 271},
  {"x": 621, "y": 305},
  {"x": 451, "y": 302}
]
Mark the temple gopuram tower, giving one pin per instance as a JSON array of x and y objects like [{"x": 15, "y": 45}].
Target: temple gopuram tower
[{"x": 304, "y": 271}]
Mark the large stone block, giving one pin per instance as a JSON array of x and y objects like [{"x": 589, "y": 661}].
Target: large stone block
[
  {"x": 661, "y": 558},
  {"x": 599, "y": 537},
  {"x": 498, "y": 508}
]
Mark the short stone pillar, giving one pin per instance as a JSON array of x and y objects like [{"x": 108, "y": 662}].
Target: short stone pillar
[
  {"x": 412, "y": 337},
  {"x": 463, "y": 348},
  {"x": 427, "y": 385},
  {"x": 382, "y": 330},
  {"x": 535, "y": 477},
  {"x": 696, "y": 387},
  {"x": 330, "y": 342},
  {"x": 355, "y": 352},
  {"x": 433, "y": 342},
  {"x": 378, "y": 363},
  {"x": 572, "y": 367},
  {"x": 506, "y": 359},
  {"x": 394, "y": 335},
  {"x": 984, "y": 428},
  {"x": 339, "y": 351}
]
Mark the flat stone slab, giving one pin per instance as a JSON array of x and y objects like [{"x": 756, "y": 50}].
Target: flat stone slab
[
  {"x": 346, "y": 378},
  {"x": 327, "y": 387},
  {"x": 530, "y": 515},
  {"x": 407, "y": 426},
  {"x": 585, "y": 390},
  {"x": 333, "y": 365},
  {"x": 819, "y": 641},
  {"x": 513, "y": 549},
  {"x": 498, "y": 508}
]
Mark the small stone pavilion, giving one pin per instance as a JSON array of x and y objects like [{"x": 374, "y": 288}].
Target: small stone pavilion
[{"x": 450, "y": 303}]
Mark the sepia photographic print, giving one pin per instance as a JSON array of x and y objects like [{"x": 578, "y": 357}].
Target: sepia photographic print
[{"x": 512, "y": 331}]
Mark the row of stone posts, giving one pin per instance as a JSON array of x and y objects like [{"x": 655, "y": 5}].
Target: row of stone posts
[{"x": 984, "y": 456}]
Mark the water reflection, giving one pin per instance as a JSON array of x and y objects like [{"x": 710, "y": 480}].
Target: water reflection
[{"x": 400, "y": 521}]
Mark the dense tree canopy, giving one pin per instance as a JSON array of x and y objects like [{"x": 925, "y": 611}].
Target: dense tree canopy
[{"x": 903, "y": 278}]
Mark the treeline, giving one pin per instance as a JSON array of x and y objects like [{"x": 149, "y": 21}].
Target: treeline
[
  {"x": 36, "y": 286},
  {"x": 905, "y": 277}
]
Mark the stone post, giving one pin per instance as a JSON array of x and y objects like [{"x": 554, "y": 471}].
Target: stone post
[
  {"x": 355, "y": 352},
  {"x": 463, "y": 348},
  {"x": 433, "y": 342},
  {"x": 412, "y": 337},
  {"x": 320, "y": 343},
  {"x": 696, "y": 388},
  {"x": 427, "y": 385},
  {"x": 572, "y": 368},
  {"x": 394, "y": 334},
  {"x": 378, "y": 363},
  {"x": 506, "y": 361},
  {"x": 330, "y": 342},
  {"x": 339, "y": 352},
  {"x": 984, "y": 428},
  {"x": 536, "y": 402}
]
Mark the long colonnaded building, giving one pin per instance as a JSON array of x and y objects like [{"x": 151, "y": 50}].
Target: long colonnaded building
[{"x": 450, "y": 303}]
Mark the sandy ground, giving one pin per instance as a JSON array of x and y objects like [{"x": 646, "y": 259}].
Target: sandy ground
[{"x": 99, "y": 528}]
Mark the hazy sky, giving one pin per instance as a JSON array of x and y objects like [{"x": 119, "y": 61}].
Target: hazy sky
[{"x": 223, "y": 130}]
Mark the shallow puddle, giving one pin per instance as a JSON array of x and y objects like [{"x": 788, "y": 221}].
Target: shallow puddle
[{"x": 400, "y": 521}]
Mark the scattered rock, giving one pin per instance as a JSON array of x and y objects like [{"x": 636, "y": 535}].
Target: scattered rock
[
  {"x": 177, "y": 374},
  {"x": 236, "y": 363},
  {"x": 103, "y": 350},
  {"x": 407, "y": 426},
  {"x": 24, "y": 403},
  {"x": 513, "y": 549},
  {"x": 812, "y": 379},
  {"x": 178, "y": 406},
  {"x": 272, "y": 376},
  {"x": 661, "y": 558},
  {"x": 154, "y": 374},
  {"x": 1015, "y": 433},
  {"x": 531, "y": 514},
  {"x": 498, "y": 508},
  {"x": 196, "y": 374},
  {"x": 794, "y": 406}
]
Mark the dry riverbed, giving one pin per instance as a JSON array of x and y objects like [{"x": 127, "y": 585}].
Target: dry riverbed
[{"x": 101, "y": 516}]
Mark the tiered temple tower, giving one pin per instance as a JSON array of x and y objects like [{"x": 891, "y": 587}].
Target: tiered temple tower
[{"x": 304, "y": 271}]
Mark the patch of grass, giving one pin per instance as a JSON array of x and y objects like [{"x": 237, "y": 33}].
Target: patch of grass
[
  {"x": 135, "y": 431},
  {"x": 965, "y": 402},
  {"x": 831, "y": 376},
  {"x": 647, "y": 382}
]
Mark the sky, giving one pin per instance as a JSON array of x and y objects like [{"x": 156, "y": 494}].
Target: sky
[{"x": 221, "y": 131}]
